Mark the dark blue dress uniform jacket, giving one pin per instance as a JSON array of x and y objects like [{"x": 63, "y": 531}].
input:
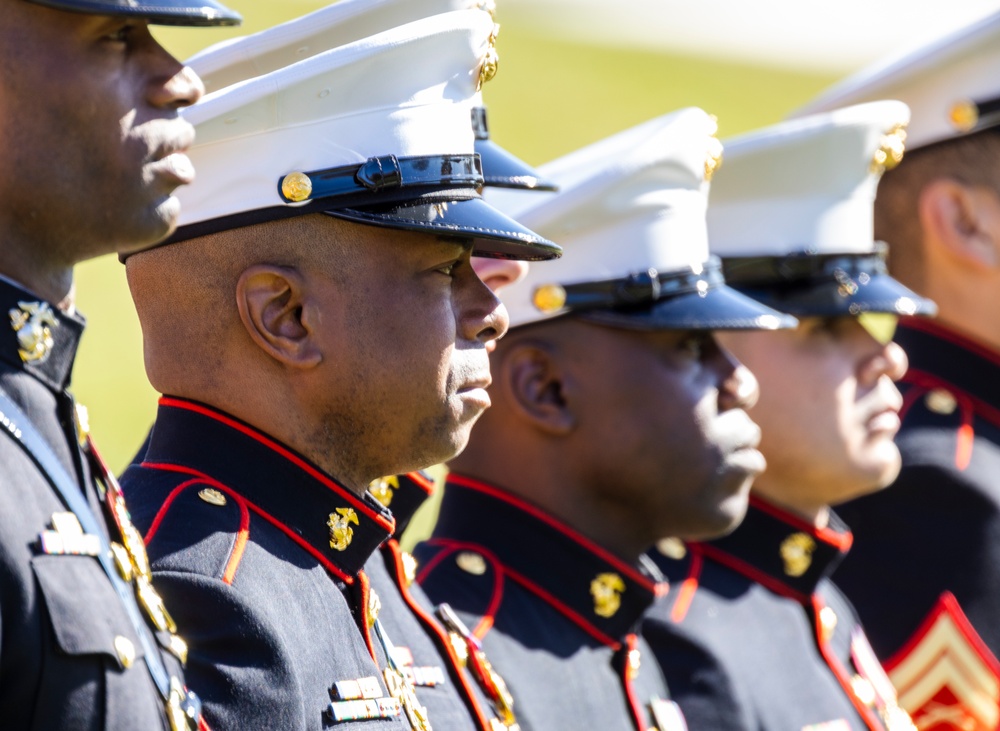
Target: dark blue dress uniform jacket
[
  {"x": 753, "y": 635},
  {"x": 276, "y": 574},
  {"x": 925, "y": 570},
  {"x": 555, "y": 612},
  {"x": 59, "y": 614}
]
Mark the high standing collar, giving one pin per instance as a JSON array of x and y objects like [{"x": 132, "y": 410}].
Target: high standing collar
[
  {"x": 285, "y": 486},
  {"x": 548, "y": 558},
  {"x": 38, "y": 338},
  {"x": 962, "y": 364},
  {"x": 780, "y": 551}
]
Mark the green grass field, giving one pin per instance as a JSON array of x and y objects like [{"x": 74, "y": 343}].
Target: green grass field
[{"x": 549, "y": 98}]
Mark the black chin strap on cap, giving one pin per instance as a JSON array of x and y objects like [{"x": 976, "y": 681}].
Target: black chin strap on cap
[
  {"x": 804, "y": 268},
  {"x": 638, "y": 288},
  {"x": 382, "y": 174}
]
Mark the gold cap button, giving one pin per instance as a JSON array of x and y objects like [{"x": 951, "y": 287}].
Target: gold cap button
[
  {"x": 212, "y": 496},
  {"x": 471, "y": 563},
  {"x": 549, "y": 298},
  {"x": 296, "y": 187},
  {"x": 125, "y": 650}
]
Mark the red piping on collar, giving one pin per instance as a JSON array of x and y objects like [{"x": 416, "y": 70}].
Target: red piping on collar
[
  {"x": 346, "y": 578},
  {"x": 441, "y": 637},
  {"x": 421, "y": 481},
  {"x": 541, "y": 515},
  {"x": 688, "y": 588},
  {"x": 840, "y": 541},
  {"x": 927, "y": 325},
  {"x": 496, "y": 598},
  {"x": 316, "y": 474}
]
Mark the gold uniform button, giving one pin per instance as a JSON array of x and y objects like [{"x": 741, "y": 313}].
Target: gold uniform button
[
  {"x": 863, "y": 689},
  {"x": 940, "y": 401},
  {"x": 125, "y": 650},
  {"x": 471, "y": 563},
  {"x": 409, "y": 568},
  {"x": 123, "y": 561},
  {"x": 212, "y": 496}
]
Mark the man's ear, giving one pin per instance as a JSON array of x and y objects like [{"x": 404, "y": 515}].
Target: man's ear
[
  {"x": 535, "y": 388},
  {"x": 963, "y": 220},
  {"x": 272, "y": 304}
]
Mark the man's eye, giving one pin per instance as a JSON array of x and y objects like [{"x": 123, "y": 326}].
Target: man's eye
[
  {"x": 693, "y": 345},
  {"x": 448, "y": 269},
  {"x": 122, "y": 34}
]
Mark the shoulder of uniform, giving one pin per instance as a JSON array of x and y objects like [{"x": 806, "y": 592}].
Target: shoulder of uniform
[
  {"x": 466, "y": 576},
  {"x": 188, "y": 523}
]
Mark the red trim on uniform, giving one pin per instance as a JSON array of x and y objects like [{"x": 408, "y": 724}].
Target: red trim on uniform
[
  {"x": 635, "y": 705},
  {"x": 968, "y": 405},
  {"x": 450, "y": 547},
  {"x": 422, "y": 481},
  {"x": 440, "y": 635},
  {"x": 388, "y": 525},
  {"x": 929, "y": 380},
  {"x": 868, "y": 715},
  {"x": 753, "y": 573},
  {"x": 240, "y": 545},
  {"x": 203, "y": 724},
  {"x": 840, "y": 541},
  {"x": 685, "y": 595},
  {"x": 936, "y": 328},
  {"x": 165, "y": 508},
  {"x": 346, "y": 578},
  {"x": 541, "y": 515},
  {"x": 365, "y": 589}
]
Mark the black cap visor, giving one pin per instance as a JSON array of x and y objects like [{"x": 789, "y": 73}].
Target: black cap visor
[
  {"x": 160, "y": 12},
  {"x": 501, "y": 169},
  {"x": 493, "y": 234},
  {"x": 825, "y": 286}
]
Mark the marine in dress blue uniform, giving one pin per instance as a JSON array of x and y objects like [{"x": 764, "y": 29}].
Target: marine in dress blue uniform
[
  {"x": 754, "y": 634},
  {"x": 266, "y": 549},
  {"x": 85, "y": 642},
  {"x": 554, "y": 602},
  {"x": 922, "y": 572}
]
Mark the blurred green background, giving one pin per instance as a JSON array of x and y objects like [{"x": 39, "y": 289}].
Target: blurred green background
[{"x": 550, "y": 97}]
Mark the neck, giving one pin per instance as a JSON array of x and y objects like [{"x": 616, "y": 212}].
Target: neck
[
  {"x": 51, "y": 282},
  {"x": 967, "y": 303},
  {"x": 811, "y": 511}
]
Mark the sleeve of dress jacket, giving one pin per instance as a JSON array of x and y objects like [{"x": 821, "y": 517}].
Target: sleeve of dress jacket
[
  {"x": 698, "y": 682},
  {"x": 236, "y": 662}
]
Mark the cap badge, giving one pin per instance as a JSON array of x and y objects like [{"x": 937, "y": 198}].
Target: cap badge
[
  {"x": 33, "y": 323},
  {"x": 713, "y": 160},
  {"x": 964, "y": 115},
  {"x": 296, "y": 187},
  {"x": 491, "y": 62},
  {"x": 890, "y": 152},
  {"x": 549, "y": 297},
  {"x": 606, "y": 590},
  {"x": 382, "y": 489},
  {"x": 341, "y": 532},
  {"x": 796, "y": 552}
]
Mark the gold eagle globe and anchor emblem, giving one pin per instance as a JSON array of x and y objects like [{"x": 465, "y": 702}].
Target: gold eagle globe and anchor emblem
[
  {"x": 33, "y": 323},
  {"x": 383, "y": 489},
  {"x": 606, "y": 590},
  {"x": 796, "y": 552},
  {"x": 341, "y": 532}
]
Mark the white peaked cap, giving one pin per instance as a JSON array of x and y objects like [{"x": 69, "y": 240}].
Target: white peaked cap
[
  {"x": 628, "y": 205},
  {"x": 791, "y": 214},
  {"x": 951, "y": 85},
  {"x": 806, "y": 185},
  {"x": 236, "y": 60},
  {"x": 404, "y": 93}
]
